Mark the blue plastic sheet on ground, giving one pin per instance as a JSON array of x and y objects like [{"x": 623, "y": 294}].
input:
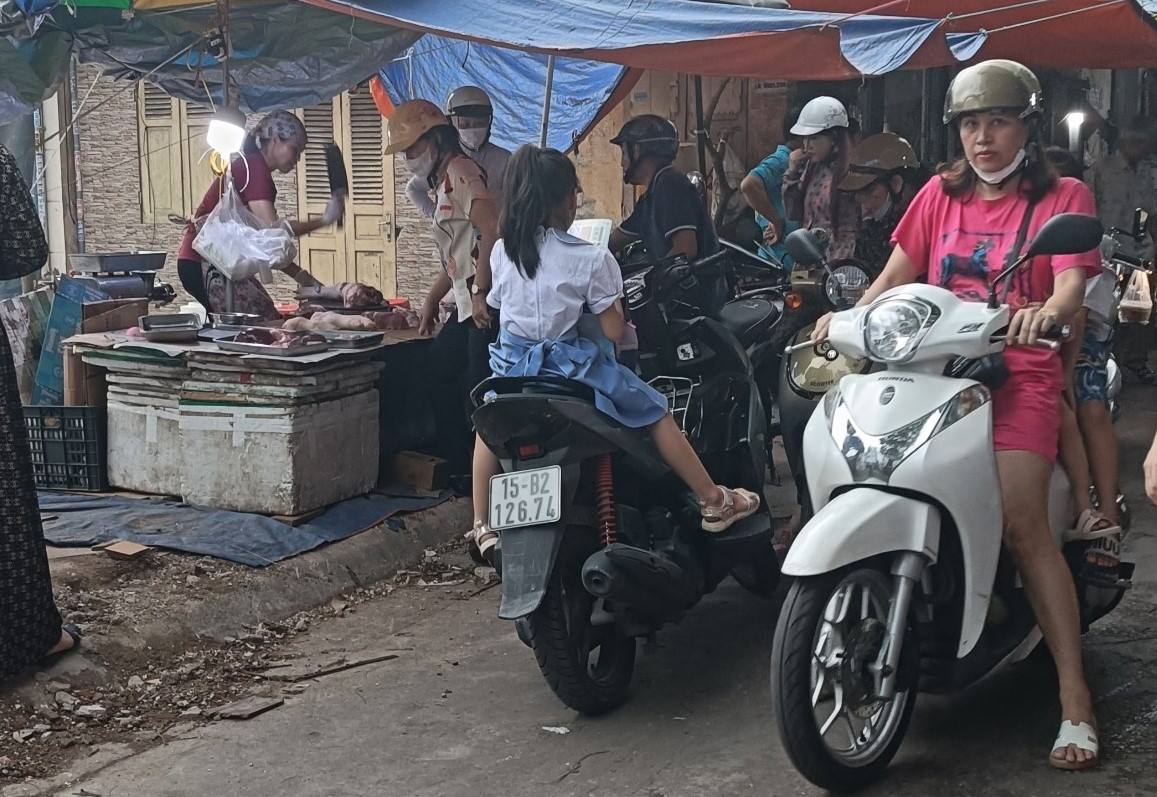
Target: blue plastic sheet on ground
[{"x": 254, "y": 540}]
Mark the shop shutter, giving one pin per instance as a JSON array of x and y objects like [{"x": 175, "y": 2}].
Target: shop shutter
[
  {"x": 160, "y": 144},
  {"x": 319, "y": 127}
]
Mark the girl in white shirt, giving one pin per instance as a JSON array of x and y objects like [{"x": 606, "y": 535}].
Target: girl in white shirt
[{"x": 541, "y": 280}]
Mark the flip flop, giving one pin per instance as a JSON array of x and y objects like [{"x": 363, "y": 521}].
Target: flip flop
[
  {"x": 74, "y": 632},
  {"x": 1082, "y": 736}
]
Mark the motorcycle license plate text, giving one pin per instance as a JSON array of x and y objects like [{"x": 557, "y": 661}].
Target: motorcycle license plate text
[{"x": 526, "y": 498}]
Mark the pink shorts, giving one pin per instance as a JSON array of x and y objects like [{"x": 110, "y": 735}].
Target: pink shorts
[{"x": 1026, "y": 413}]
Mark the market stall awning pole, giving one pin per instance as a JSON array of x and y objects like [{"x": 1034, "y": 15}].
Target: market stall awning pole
[{"x": 542, "y": 138}]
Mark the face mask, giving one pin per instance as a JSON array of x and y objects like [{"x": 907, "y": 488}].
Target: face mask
[
  {"x": 421, "y": 165},
  {"x": 996, "y": 178},
  {"x": 882, "y": 211},
  {"x": 474, "y": 138}
]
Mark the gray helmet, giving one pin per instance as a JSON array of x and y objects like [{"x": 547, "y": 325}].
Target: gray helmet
[
  {"x": 990, "y": 85},
  {"x": 649, "y": 135}
]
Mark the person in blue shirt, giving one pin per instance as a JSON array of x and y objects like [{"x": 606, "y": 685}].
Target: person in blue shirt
[
  {"x": 763, "y": 189},
  {"x": 543, "y": 279}
]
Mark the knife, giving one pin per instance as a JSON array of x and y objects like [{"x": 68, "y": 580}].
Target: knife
[{"x": 335, "y": 168}]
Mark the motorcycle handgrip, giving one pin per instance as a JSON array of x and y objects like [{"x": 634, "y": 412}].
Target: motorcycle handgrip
[{"x": 710, "y": 260}]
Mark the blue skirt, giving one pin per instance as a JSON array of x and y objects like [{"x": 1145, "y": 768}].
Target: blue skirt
[{"x": 619, "y": 392}]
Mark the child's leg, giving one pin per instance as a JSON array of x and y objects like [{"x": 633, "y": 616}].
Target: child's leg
[
  {"x": 1101, "y": 440},
  {"x": 721, "y": 507},
  {"x": 485, "y": 467},
  {"x": 1073, "y": 458},
  {"x": 679, "y": 454}
]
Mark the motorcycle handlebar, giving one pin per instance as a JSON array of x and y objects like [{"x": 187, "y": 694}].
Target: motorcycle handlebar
[{"x": 1129, "y": 260}]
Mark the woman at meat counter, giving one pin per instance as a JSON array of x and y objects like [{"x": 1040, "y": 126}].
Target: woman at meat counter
[
  {"x": 30, "y": 627},
  {"x": 275, "y": 144},
  {"x": 465, "y": 229}
]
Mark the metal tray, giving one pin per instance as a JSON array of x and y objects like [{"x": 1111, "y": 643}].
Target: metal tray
[
  {"x": 116, "y": 262},
  {"x": 350, "y": 339},
  {"x": 176, "y": 328},
  {"x": 227, "y": 344}
]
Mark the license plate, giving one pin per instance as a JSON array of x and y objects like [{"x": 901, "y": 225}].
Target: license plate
[{"x": 526, "y": 498}]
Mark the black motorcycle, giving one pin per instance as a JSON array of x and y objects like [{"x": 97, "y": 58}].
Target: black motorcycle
[{"x": 600, "y": 543}]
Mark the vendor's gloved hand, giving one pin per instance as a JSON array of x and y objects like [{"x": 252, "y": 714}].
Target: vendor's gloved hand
[{"x": 334, "y": 209}]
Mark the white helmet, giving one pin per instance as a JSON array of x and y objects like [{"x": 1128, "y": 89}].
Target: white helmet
[
  {"x": 465, "y": 97},
  {"x": 820, "y": 114}
]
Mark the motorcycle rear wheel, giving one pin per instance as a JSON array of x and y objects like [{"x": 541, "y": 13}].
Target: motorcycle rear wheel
[
  {"x": 589, "y": 667},
  {"x": 829, "y": 629}
]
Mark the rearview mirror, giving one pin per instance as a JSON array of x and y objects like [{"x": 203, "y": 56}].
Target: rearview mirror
[
  {"x": 1067, "y": 234},
  {"x": 804, "y": 247},
  {"x": 1140, "y": 223}
]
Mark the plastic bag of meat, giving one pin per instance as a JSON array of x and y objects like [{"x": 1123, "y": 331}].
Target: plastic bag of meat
[{"x": 238, "y": 244}]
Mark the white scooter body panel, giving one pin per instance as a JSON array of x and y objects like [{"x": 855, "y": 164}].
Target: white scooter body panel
[{"x": 830, "y": 542}]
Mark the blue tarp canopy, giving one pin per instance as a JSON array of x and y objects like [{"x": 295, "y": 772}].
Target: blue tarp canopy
[
  {"x": 515, "y": 81},
  {"x": 679, "y": 35}
]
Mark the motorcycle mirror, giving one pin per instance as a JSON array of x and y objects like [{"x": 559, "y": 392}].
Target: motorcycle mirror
[
  {"x": 804, "y": 247},
  {"x": 1140, "y": 223},
  {"x": 1067, "y": 234}
]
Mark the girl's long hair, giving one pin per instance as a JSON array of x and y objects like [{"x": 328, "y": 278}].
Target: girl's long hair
[
  {"x": 538, "y": 182},
  {"x": 1037, "y": 176}
]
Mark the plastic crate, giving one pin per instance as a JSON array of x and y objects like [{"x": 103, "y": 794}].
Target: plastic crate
[{"x": 68, "y": 447}]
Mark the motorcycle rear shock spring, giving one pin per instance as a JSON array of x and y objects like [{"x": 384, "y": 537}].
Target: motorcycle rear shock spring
[{"x": 605, "y": 499}]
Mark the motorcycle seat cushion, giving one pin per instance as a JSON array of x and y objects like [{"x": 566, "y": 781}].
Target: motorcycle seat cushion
[{"x": 749, "y": 319}]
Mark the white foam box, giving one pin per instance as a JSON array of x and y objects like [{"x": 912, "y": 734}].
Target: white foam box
[
  {"x": 279, "y": 460},
  {"x": 144, "y": 443}
]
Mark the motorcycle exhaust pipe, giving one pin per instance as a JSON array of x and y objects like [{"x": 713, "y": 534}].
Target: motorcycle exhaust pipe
[{"x": 643, "y": 580}]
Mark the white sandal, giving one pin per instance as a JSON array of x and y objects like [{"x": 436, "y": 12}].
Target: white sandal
[
  {"x": 1086, "y": 528},
  {"x": 1082, "y": 736},
  {"x": 483, "y": 537},
  {"x": 736, "y": 505}
]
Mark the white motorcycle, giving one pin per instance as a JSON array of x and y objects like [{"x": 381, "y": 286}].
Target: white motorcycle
[{"x": 901, "y": 581}]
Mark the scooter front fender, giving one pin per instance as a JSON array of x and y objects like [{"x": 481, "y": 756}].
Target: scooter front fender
[
  {"x": 860, "y": 524},
  {"x": 528, "y": 556}
]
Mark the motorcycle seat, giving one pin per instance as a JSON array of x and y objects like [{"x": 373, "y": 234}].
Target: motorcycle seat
[{"x": 749, "y": 319}]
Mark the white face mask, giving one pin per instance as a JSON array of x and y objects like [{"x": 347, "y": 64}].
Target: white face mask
[
  {"x": 996, "y": 178},
  {"x": 474, "y": 138},
  {"x": 421, "y": 165},
  {"x": 882, "y": 211}
]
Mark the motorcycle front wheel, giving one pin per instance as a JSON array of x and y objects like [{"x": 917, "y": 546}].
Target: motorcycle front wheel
[
  {"x": 586, "y": 660},
  {"x": 837, "y": 734}
]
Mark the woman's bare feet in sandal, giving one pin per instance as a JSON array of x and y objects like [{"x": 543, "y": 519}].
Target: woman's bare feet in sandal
[
  {"x": 731, "y": 507},
  {"x": 1077, "y": 746}
]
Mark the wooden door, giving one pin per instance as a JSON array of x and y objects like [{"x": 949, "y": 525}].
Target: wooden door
[{"x": 363, "y": 250}]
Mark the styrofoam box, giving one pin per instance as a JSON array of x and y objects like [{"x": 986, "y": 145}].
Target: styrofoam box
[
  {"x": 279, "y": 460},
  {"x": 144, "y": 443}
]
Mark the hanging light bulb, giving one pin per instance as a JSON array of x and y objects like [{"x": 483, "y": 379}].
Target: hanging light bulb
[{"x": 227, "y": 132}]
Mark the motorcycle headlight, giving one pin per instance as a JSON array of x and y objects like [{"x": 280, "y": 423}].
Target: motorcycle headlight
[
  {"x": 893, "y": 328},
  {"x": 846, "y": 285},
  {"x": 877, "y": 456}
]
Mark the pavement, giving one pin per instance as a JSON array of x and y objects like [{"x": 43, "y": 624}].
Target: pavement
[{"x": 463, "y": 710}]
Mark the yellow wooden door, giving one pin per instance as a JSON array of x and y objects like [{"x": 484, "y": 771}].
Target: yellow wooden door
[
  {"x": 363, "y": 250},
  {"x": 160, "y": 132}
]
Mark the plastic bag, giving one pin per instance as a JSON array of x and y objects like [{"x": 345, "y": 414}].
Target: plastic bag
[
  {"x": 239, "y": 245},
  {"x": 1136, "y": 305}
]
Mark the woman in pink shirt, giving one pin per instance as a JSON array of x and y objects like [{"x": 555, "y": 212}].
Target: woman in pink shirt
[{"x": 961, "y": 230}]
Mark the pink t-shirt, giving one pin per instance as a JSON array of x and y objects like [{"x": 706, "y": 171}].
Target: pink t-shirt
[{"x": 961, "y": 245}]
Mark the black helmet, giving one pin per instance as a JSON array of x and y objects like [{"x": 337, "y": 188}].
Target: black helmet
[{"x": 649, "y": 135}]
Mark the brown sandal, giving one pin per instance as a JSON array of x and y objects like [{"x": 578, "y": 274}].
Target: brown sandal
[{"x": 737, "y": 505}]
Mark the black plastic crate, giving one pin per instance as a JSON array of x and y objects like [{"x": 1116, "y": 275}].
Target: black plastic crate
[{"x": 69, "y": 451}]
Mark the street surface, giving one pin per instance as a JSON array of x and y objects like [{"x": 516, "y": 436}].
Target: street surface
[{"x": 462, "y": 710}]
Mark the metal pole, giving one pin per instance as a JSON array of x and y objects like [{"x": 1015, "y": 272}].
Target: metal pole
[
  {"x": 542, "y": 139},
  {"x": 700, "y": 133}
]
